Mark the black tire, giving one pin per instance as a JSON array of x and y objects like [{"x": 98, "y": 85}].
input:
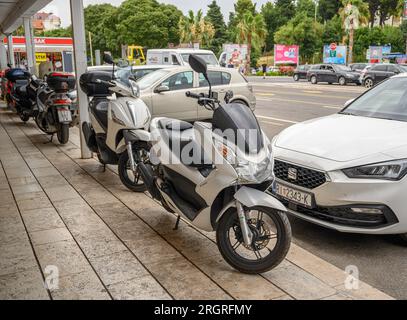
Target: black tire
[
  {"x": 314, "y": 80},
  {"x": 403, "y": 239},
  {"x": 368, "y": 83},
  {"x": 136, "y": 184},
  {"x": 63, "y": 133},
  {"x": 342, "y": 81},
  {"x": 24, "y": 117},
  {"x": 273, "y": 259},
  {"x": 296, "y": 77}
]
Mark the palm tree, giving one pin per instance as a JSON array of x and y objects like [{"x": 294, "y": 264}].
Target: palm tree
[
  {"x": 251, "y": 30},
  {"x": 195, "y": 29},
  {"x": 353, "y": 13}
]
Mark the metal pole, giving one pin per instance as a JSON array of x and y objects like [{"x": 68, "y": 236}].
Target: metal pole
[
  {"x": 10, "y": 50},
  {"x": 97, "y": 57},
  {"x": 91, "y": 48},
  {"x": 79, "y": 46},
  {"x": 29, "y": 45}
]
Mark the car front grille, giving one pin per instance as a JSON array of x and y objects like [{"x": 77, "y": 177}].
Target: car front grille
[{"x": 306, "y": 178}]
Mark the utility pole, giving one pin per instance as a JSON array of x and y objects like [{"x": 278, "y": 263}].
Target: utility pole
[{"x": 91, "y": 48}]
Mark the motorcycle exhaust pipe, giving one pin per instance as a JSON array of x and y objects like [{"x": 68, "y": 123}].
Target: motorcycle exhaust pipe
[{"x": 147, "y": 175}]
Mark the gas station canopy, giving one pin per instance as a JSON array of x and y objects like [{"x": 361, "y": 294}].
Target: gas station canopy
[{"x": 12, "y": 12}]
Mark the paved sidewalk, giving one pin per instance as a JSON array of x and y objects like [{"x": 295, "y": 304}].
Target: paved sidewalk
[{"x": 63, "y": 216}]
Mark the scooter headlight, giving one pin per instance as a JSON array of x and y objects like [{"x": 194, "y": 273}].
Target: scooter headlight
[{"x": 134, "y": 88}]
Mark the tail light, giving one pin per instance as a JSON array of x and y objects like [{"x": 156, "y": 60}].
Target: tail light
[{"x": 59, "y": 102}]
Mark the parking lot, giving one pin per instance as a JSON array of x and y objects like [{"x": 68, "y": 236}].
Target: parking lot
[{"x": 381, "y": 260}]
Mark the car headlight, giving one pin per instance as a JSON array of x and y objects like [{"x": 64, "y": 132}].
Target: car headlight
[
  {"x": 246, "y": 170},
  {"x": 391, "y": 170}
]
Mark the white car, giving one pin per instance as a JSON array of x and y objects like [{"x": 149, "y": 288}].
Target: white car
[
  {"x": 164, "y": 91},
  {"x": 348, "y": 171}
]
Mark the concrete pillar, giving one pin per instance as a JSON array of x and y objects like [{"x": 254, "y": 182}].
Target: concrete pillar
[
  {"x": 3, "y": 54},
  {"x": 29, "y": 45},
  {"x": 97, "y": 57},
  {"x": 79, "y": 47},
  {"x": 10, "y": 51}
]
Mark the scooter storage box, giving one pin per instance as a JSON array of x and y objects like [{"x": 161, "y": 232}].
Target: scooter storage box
[
  {"x": 59, "y": 81},
  {"x": 89, "y": 85},
  {"x": 17, "y": 74}
]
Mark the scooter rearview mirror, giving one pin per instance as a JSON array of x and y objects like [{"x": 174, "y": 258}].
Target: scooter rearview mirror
[
  {"x": 197, "y": 64},
  {"x": 108, "y": 58}
]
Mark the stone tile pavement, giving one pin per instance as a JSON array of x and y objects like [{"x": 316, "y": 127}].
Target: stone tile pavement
[{"x": 65, "y": 222}]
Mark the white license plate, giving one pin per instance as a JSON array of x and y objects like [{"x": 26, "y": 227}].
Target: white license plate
[
  {"x": 64, "y": 115},
  {"x": 294, "y": 195}
]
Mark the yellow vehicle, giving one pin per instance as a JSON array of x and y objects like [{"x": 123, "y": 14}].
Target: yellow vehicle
[{"x": 135, "y": 55}]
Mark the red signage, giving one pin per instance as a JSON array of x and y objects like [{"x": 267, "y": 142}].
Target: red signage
[
  {"x": 284, "y": 54},
  {"x": 43, "y": 41}
]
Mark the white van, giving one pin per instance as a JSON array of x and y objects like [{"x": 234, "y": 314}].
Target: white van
[{"x": 179, "y": 57}]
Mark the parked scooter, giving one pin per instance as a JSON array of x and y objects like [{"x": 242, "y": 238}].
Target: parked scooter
[
  {"x": 219, "y": 184},
  {"x": 56, "y": 113},
  {"x": 21, "y": 92},
  {"x": 119, "y": 123}
]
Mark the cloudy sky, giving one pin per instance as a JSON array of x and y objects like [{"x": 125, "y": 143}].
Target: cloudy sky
[{"x": 61, "y": 7}]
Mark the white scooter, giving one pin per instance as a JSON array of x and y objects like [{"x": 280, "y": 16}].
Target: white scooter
[
  {"x": 119, "y": 124},
  {"x": 215, "y": 176}
]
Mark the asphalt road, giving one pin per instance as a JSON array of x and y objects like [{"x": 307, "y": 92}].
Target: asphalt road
[{"x": 381, "y": 260}]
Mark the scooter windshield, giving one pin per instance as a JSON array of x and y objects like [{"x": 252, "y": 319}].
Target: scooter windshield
[{"x": 237, "y": 123}]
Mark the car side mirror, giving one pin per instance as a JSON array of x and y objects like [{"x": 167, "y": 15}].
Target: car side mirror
[{"x": 161, "y": 89}]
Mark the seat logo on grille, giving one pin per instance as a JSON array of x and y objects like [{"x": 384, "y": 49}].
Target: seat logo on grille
[{"x": 292, "y": 173}]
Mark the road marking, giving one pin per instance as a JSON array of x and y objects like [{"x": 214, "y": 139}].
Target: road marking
[
  {"x": 310, "y": 91},
  {"x": 273, "y": 123},
  {"x": 318, "y": 104},
  {"x": 275, "y": 119},
  {"x": 260, "y": 93}
]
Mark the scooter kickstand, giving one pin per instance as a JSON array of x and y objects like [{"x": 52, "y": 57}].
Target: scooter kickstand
[
  {"x": 177, "y": 223},
  {"x": 50, "y": 140},
  {"x": 104, "y": 167}
]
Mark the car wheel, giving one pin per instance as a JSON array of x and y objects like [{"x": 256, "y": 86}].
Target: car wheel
[
  {"x": 403, "y": 238},
  {"x": 342, "y": 81},
  {"x": 368, "y": 83},
  {"x": 296, "y": 77},
  {"x": 314, "y": 80}
]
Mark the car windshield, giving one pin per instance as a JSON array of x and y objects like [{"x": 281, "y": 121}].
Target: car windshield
[
  {"x": 342, "y": 68},
  {"x": 386, "y": 101},
  {"x": 148, "y": 80},
  {"x": 209, "y": 58}
]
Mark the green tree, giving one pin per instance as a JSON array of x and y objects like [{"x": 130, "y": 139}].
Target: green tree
[
  {"x": 195, "y": 29},
  {"x": 390, "y": 8},
  {"x": 333, "y": 30},
  {"x": 251, "y": 30},
  {"x": 374, "y": 6},
  {"x": 354, "y": 13},
  {"x": 276, "y": 15},
  {"x": 215, "y": 17},
  {"x": 146, "y": 23},
  {"x": 303, "y": 31},
  {"x": 60, "y": 32},
  {"x": 327, "y": 9},
  {"x": 306, "y": 6},
  {"x": 240, "y": 9}
]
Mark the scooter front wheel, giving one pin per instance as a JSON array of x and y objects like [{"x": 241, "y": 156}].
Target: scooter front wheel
[
  {"x": 270, "y": 244},
  {"x": 132, "y": 180}
]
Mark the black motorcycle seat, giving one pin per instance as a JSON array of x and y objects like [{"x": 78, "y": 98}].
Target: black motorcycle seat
[{"x": 99, "y": 109}]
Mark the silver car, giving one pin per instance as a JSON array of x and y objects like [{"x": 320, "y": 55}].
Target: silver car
[{"x": 164, "y": 91}]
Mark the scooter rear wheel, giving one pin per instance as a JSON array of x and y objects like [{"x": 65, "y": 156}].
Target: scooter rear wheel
[
  {"x": 63, "y": 133},
  {"x": 271, "y": 240}
]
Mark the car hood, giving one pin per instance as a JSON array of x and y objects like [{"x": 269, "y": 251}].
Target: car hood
[{"x": 343, "y": 137}]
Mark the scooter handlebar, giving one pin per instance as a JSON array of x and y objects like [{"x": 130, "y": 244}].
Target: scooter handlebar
[{"x": 190, "y": 94}]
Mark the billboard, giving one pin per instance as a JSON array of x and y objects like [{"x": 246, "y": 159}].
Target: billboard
[
  {"x": 286, "y": 54},
  {"x": 335, "y": 54},
  {"x": 234, "y": 55}
]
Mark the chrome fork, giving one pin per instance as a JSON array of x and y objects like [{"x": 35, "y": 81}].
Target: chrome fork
[
  {"x": 131, "y": 158},
  {"x": 246, "y": 232}
]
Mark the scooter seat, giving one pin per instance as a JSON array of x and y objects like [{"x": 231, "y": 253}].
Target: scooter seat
[{"x": 181, "y": 140}]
